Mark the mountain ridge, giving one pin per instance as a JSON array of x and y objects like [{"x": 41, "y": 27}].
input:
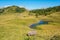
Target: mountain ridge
[{"x": 36, "y": 12}]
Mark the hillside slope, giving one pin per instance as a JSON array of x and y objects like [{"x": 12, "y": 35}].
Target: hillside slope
[{"x": 15, "y": 26}]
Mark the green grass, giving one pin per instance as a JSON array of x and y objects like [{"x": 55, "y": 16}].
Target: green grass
[{"x": 13, "y": 27}]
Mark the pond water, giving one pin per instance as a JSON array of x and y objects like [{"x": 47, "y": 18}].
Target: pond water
[{"x": 41, "y": 22}]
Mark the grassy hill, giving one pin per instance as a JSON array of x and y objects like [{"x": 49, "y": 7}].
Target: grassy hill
[
  {"x": 15, "y": 26},
  {"x": 46, "y": 11},
  {"x": 12, "y": 9}
]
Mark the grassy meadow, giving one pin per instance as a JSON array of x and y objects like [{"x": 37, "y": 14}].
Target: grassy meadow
[
  {"x": 15, "y": 22},
  {"x": 15, "y": 27}
]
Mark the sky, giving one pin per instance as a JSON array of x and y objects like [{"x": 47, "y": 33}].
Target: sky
[{"x": 30, "y": 4}]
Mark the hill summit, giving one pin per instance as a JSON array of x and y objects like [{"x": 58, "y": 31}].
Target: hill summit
[{"x": 12, "y": 9}]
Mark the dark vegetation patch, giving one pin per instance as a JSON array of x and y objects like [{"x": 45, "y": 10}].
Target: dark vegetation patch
[{"x": 46, "y": 11}]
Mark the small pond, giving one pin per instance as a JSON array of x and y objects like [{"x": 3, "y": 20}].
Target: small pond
[{"x": 41, "y": 22}]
